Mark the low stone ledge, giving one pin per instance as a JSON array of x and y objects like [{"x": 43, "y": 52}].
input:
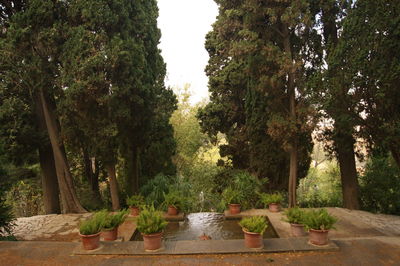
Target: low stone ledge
[{"x": 195, "y": 247}]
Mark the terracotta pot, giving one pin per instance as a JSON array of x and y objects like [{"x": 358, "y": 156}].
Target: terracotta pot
[
  {"x": 135, "y": 211},
  {"x": 297, "y": 230},
  {"x": 253, "y": 240},
  {"x": 172, "y": 210},
  {"x": 152, "y": 241},
  {"x": 90, "y": 242},
  {"x": 318, "y": 237},
  {"x": 234, "y": 208},
  {"x": 274, "y": 207},
  {"x": 110, "y": 235}
]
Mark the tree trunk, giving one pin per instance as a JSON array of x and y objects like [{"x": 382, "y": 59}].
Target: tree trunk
[
  {"x": 133, "y": 171},
  {"x": 91, "y": 176},
  {"x": 347, "y": 163},
  {"x": 69, "y": 199},
  {"x": 51, "y": 200},
  {"x": 292, "y": 105},
  {"x": 112, "y": 179}
]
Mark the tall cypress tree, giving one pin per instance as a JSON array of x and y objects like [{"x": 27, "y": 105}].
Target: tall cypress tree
[
  {"x": 248, "y": 71},
  {"x": 334, "y": 97},
  {"x": 31, "y": 46},
  {"x": 372, "y": 71}
]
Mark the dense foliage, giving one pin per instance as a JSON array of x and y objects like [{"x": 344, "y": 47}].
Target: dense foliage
[
  {"x": 86, "y": 120},
  {"x": 321, "y": 187},
  {"x": 238, "y": 64},
  {"x": 82, "y": 95},
  {"x": 6, "y": 217},
  {"x": 380, "y": 186}
]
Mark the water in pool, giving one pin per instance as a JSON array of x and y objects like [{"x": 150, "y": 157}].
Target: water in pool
[{"x": 212, "y": 224}]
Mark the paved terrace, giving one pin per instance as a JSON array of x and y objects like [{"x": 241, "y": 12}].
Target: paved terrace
[{"x": 361, "y": 238}]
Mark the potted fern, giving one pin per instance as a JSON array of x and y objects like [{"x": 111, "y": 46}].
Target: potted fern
[
  {"x": 89, "y": 231},
  {"x": 253, "y": 229},
  {"x": 273, "y": 201},
  {"x": 233, "y": 198},
  {"x": 135, "y": 202},
  {"x": 111, "y": 224},
  {"x": 151, "y": 224},
  {"x": 295, "y": 217},
  {"x": 319, "y": 222},
  {"x": 174, "y": 202}
]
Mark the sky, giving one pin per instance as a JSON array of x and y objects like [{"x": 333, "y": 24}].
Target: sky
[{"x": 184, "y": 24}]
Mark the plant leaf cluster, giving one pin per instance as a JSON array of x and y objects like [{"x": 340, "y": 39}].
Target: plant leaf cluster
[
  {"x": 319, "y": 220},
  {"x": 135, "y": 201},
  {"x": 267, "y": 199},
  {"x": 254, "y": 224},
  {"x": 112, "y": 220},
  {"x": 294, "y": 215},
  {"x": 174, "y": 198},
  {"x": 150, "y": 221},
  {"x": 92, "y": 225}
]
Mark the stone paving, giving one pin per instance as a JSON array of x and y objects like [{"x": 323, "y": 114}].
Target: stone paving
[
  {"x": 61, "y": 227},
  {"x": 352, "y": 252},
  {"x": 363, "y": 239}
]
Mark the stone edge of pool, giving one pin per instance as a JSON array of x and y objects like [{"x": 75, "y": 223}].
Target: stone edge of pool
[{"x": 193, "y": 247}]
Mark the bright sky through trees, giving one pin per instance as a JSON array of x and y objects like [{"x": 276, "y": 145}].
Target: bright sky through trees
[{"x": 184, "y": 24}]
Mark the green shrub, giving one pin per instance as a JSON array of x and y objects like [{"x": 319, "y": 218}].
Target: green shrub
[
  {"x": 232, "y": 196},
  {"x": 294, "y": 215},
  {"x": 112, "y": 221},
  {"x": 8, "y": 238},
  {"x": 321, "y": 187},
  {"x": 267, "y": 199},
  {"x": 92, "y": 225},
  {"x": 6, "y": 214},
  {"x": 135, "y": 201},
  {"x": 249, "y": 186},
  {"x": 254, "y": 224},
  {"x": 6, "y": 217},
  {"x": 25, "y": 197},
  {"x": 380, "y": 186},
  {"x": 150, "y": 221},
  {"x": 155, "y": 189},
  {"x": 319, "y": 220}
]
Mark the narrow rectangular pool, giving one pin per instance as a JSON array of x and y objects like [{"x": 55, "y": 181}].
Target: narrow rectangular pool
[{"x": 211, "y": 224}]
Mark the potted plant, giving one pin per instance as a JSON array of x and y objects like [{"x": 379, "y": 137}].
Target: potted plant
[
  {"x": 111, "y": 224},
  {"x": 135, "y": 202},
  {"x": 89, "y": 231},
  {"x": 319, "y": 222},
  {"x": 253, "y": 228},
  {"x": 272, "y": 200},
  {"x": 295, "y": 217},
  {"x": 151, "y": 224},
  {"x": 174, "y": 201},
  {"x": 233, "y": 198}
]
